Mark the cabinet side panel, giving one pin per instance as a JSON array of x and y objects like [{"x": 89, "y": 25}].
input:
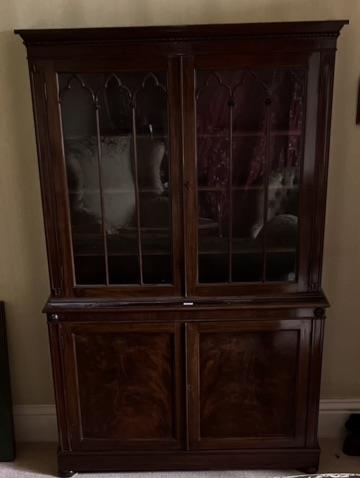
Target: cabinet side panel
[
  {"x": 39, "y": 98},
  {"x": 59, "y": 385},
  {"x": 326, "y": 80},
  {"x": 314, "y": 381},
  {"x": 56, "y": 162}
]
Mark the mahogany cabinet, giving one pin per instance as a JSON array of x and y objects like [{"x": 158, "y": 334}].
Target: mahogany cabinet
[{"x": 183, "y": 175}]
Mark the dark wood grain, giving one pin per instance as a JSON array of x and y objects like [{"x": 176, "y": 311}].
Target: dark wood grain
[
  {"x": 317, "y": 299},
  {"x": 60, "y": 389},
  {"x": 180, "y": 59},
  {"x": 324, "y": 110},
  {"x": 185, "y": 375},
  {"x": 124, "y": 385},
  {"x": 183, "y": 32},
  {"x": 166, "y": 314},
  {"x": 272, "y": 458},
  {"x": 38, "y": 82},
  {"x": 317, "y": 336},
  {"x": 176, "y": 173},
  {"x": 58, "y": 179},
  {"x": 248, "y": 384},
  {"x": 190, "y": 196}
]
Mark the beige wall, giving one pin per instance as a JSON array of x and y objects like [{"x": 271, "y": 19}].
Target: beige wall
[{"x": 23, "y": 271}]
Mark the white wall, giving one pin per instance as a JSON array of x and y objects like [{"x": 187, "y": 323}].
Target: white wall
[{"x": 23, "y": 271}]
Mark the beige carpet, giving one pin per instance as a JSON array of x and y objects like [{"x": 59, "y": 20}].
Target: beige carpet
[{"x": 38, "y": 461}]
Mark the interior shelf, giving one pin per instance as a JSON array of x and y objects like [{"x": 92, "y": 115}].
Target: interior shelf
[
  {"x": 246, "y": 188},
  {"x": 244, "y": 134}
]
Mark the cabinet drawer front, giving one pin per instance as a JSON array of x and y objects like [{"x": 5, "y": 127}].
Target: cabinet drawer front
[
  {"x": 248, "y": 383},
  {"x": 123, "y": 385}
]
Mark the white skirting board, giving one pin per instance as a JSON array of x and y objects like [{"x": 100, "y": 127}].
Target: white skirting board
[
  {"x": 37, "y": 423},
  {"x": 333, "y": 415}
]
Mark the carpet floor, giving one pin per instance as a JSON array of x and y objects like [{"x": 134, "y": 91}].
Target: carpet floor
[{"x": 36, "y": 460}]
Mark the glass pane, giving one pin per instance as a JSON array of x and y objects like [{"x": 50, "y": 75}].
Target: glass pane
[
  {"x": 249, "y": 153},
  {"x": 287, "y": 107},
  {"x": 230, "y": 154},
  {"x": 213, "y": 236},
  {"x": 213, "y": 177},
  {"x": 153, "y": 178},
  {"x": 281, "y": 229},
  {"x": 81, "y": 152},
  {"x": 116, "y": 148},
  {"x": 286, "y": 149},
  {"x": 247, "y": 257},
  {"x": 248, "y": 157}
]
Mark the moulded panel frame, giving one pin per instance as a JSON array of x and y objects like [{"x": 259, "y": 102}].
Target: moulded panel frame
[
  {"x": 308, "y": 235},
  {"x": 298, "y": 438},
  {"x": 68, "y": 333},
  {"x": 57, "y": 168}
]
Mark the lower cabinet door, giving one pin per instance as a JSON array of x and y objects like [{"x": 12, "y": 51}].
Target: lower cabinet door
[
  {"x": 123, "y": 385},
  {"x": 247, "y": 383}
]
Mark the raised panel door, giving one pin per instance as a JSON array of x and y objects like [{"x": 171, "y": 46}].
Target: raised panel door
[
  {"x": 248, "y": 383},
  {"x": 123, "y": 385}
]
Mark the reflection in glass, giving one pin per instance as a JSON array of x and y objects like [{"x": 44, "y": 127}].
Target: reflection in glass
[
  {"x": 283, "y": 209},
  {"x": 81, "y": 152},
  {"x": 249, "y": 153},
  {"x": 153, "y": 181},
  {"x": 115, "y": 132},
  {"x": 213, "y": 236}
]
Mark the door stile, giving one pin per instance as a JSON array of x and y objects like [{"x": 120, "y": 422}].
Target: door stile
[
  {"x": 176, "y": 172},
  {"x": 190, "y": 188},
  {"x": 58, "y": 170}
]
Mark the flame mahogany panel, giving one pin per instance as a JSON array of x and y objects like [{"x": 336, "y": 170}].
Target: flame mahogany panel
[
  {"x": 247, "y": 382},
  {"x": 125, "y": 382}
]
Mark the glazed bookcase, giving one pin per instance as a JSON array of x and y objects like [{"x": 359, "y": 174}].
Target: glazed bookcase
[{"x": 183, "y": 175}]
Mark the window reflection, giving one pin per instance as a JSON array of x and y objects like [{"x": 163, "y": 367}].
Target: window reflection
[
  {"x": 115, "y": 129},
  {"x": 249, "y": 154}
]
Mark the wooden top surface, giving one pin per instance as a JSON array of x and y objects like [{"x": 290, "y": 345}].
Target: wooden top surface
[{"x": 184, "y": 32}]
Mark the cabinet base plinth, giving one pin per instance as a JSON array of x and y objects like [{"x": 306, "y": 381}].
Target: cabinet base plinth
[{"x": 305, "y": 459}]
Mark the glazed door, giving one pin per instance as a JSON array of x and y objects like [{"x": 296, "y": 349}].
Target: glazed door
[
  {"x": 247, "y": 383},
  {"x": 123, "y": 386},
  {"x": 115, "y": 128},
  {"x": 250, "y": 156}
]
